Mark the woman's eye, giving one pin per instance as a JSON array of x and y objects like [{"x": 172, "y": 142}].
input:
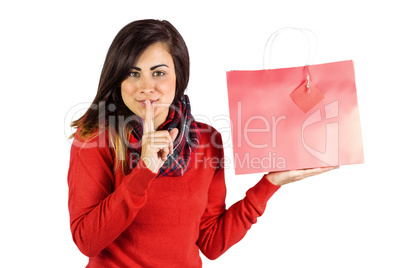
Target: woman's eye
[
  {"x": 134, "y": 74},
  {"x": 159, "y": 73}
]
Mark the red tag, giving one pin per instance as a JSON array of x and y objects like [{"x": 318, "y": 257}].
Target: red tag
[{"x": 306, "y": 97}]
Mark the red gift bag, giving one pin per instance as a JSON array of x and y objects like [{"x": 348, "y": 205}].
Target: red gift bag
[{"x": 294, "y": 118}]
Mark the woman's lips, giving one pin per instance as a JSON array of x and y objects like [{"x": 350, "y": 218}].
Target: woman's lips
[{"x": 142, "y": 102}]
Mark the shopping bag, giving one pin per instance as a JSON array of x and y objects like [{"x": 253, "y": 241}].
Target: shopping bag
[{"x": 294, "y": 118}]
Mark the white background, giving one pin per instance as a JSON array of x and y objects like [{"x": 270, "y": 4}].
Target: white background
[{"x": 51, "y": 57}]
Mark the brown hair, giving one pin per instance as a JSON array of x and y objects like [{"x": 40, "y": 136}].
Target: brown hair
[{"x": 130, "y": 42}]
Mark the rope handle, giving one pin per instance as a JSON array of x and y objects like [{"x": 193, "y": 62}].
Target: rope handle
[{"x": 307, "y": 33}]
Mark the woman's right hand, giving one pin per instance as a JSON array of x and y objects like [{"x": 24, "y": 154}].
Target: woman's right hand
[{"x": 156, "y": 145}]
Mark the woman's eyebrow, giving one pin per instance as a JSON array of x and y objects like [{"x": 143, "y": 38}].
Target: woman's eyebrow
[
  {"x": 159, "y": 65},
  {"x": 152, "y": 68}
]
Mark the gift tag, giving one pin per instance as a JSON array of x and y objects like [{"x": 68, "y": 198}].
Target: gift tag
[{"x": 306, "y": 96}]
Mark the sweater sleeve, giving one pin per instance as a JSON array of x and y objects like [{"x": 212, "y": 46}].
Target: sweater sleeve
[
  {"x": 220, "y": 228},
  {"x": 99, "y": 213}
]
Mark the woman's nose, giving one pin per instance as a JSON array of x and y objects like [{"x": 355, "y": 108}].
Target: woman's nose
[{"x": 147, "y": 86}]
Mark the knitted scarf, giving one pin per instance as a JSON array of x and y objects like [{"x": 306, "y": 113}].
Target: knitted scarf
[{"x": 187, "y": 140}]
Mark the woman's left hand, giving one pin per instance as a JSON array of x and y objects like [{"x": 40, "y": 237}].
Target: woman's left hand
[{"x": 283, "y": 177}]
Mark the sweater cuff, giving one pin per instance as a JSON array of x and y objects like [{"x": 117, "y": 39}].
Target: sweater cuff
[
  {"x": 140, "y": 178},
  {"x": 262, "y": 192}
]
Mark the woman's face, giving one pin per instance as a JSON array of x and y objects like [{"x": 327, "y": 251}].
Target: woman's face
[{"x": 151, "y": 78}]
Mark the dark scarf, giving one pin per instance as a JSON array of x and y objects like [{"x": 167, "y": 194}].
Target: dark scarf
[{"x": 187, "y": 140}]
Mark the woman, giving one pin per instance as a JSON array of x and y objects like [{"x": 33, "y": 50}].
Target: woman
[{"x": 146, "y": 181}]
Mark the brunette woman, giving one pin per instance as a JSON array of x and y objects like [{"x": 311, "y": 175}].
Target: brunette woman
[{"x": 146, "y": 181}]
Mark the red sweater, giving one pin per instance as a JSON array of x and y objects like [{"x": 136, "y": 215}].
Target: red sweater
[{"x": 139, "y": 220}]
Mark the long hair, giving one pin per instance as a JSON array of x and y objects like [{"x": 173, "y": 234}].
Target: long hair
[{"x": 128, "y": 45}]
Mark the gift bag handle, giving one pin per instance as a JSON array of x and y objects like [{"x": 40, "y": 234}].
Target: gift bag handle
[
  {"x": 305, "y": 32},
  {"x": 273, "y": 36}
]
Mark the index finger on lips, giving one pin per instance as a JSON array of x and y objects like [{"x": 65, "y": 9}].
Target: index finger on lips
[{"x": 149, "y": 117}]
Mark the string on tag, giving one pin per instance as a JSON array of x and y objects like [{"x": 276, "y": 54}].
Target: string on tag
[{"x": 307, "y": 70}]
